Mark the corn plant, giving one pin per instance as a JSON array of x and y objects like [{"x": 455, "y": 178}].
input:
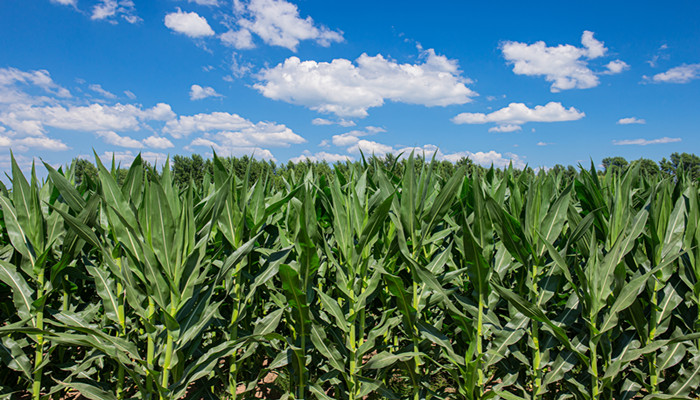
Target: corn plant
[{"x": 387, "y": 278}]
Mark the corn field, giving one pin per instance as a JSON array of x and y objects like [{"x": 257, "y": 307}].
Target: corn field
[{"x": 365, "y": 284}]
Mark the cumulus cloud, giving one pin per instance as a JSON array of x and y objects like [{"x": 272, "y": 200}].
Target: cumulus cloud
[
  {"x": 681, "y": 74},
  {"x": 644, "y": 142},
  {"x": 631, "y": 120},
  {"x": 616, "y": 67},
  {"x": 198, "y": 92},
  {"x": 99, "y": 90},
  {"x": 113, "y": 138},
  {"x": 240, "y": 39},
  {"x": 26, "y": 143},
  {"x": 157, "y": 142},
  {"x": 95, "y": 117},
  {"x": 109, "y": 9},
  {"x": 321, "y": 156},
  {"x": 353, "y": 137},
  {"x": 566, "y": 66},
  {"x": 370, "y": 147},
  {"x": 188, "y": 23},
  {"x": 348, "y": 89},
  {"x": 233, "y": 129},
  {"x": 277, "y": 23},
  {"x": 508, "y": 118}
]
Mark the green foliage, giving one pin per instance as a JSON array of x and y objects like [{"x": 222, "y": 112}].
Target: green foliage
[{"x": 386, "y": 278}]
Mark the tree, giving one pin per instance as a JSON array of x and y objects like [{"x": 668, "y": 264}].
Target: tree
[
  {"x": 681, "y": 163},
  {"x": 82, "y": 169},
  {"x": 648, "y": 167},
  {"x": 616, "y": 164}
]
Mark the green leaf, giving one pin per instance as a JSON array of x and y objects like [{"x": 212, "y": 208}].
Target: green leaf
[
  {"x": 89, "y": 390},
  {"x": 105, "y": 286},
  {"x": 22, "y": 294},
  {"x": 13, "y": 356},
  {"x": 385, "y": 359},
  {"x": 68, "y": 192},
  {"x": 326, "y": 348},
  {"x": 15, "y": 231}
]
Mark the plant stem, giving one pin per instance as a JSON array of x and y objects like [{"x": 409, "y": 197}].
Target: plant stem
[
  {"x": 150, "y": 347},
  {"x": 39, "y": 351},
  {"x": 233, "y": 362},
  {"x": 653, "y": 373},
  {"x": 534, "y": 333},
  {"x": 479, "y": 333},
  {"x": 168, "y": 354},
  {"x": 122, "y": 332},
  {"x": 595, "y": 389}
]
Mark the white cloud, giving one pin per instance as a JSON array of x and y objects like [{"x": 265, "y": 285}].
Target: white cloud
[
  {"x": 99, "y": 90},
  {"x": 130, "y": 94},
  {"x": 73, "y": 3},
  {"x": 616, "y": 67},
  {"x": 158, "y": 142},
  {"x": 353, "y": 137},
  {"x": 188, "y": 23},
  {"x": 105, "y": 9},
  {"x": 124, "y": 158},
  {"x": 348, "y": 89},
  {"x": 108, "y": 9},
  {"x": 11, "y": 77},
  {"x": 631, "y": 120},
  {"x": 660, "y": 55},
  {"x": 212, "y": 3},
  {"x": 566, "y": 66},
  {"x": 544, "y": 143},
  {"x": 232, "y": 149},
  {"x": 321, "y": 156},
  {"x": 518, "y": 113},
  {"x": 113, "y": 138},
  {"x": 489, "y": 158},
  {"x": 198, "y": 92},
  {"x": 369, "y": 147},
  {"x": 322, "y": 121},
  {"x": 681, "y": 74},
  {"x": 95, "y": 117},
  {"x": 482, "y": 158},
  {"x": 644, "y": 142},
  {"x": 341, "y": 122},
  {"x": 24, "y": 144},
  {"x": 240, "y": 39},
  {"x": 233, "y": 130},
  {"x": 505, "y": 128},
  {"x": 277, "y": 23}
]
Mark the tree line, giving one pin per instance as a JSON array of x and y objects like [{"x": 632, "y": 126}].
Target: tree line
[{"x": 195, "y": 169}]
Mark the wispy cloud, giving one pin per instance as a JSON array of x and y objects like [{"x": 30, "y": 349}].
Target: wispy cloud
[{"x": 645, "y": 142}]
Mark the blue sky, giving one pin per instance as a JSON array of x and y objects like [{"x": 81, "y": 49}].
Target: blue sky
[{"x": 539, "y": 84}]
